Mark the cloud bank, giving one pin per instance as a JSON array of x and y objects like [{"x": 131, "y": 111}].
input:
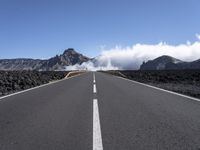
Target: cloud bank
[{"x": 132, "y": 57}]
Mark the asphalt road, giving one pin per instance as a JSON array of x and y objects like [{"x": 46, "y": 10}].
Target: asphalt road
[{"x": 98, "y": 112}]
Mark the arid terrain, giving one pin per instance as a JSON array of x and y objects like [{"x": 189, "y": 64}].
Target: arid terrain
[
  {"x": 183, "y": 81},
  {"x": 12, "y": 81}
]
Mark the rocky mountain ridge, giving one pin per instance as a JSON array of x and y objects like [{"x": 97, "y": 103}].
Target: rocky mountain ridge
[
  {"x": 169, "y": 63},
  {"x": 59, "y": 62}
]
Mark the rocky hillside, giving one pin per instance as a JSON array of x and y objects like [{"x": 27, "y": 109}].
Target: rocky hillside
[
  {"x": 69, "y": 57},
  {"x": 13, "y": 81},
  {"x": 169, "y": 63}
]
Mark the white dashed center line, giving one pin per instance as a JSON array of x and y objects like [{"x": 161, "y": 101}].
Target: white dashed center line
[
  {"x": 97, "y": 139},
  {"x": 94, "y": 88},
  {"x": 94, "y": 76}
]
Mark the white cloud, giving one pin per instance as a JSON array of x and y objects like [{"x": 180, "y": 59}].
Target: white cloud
[
  {"x": 132, "y": 57},
  {"x": 198, "y": 36},
  {"x": 93, "y": 66},
  {"x": 188, "y": 43}
]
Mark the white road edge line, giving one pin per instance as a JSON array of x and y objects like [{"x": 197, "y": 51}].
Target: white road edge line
[
  {"x": 157, "y": 88},
  {"x": 97, "y": 138},
  {"x": 94, "y": 88},
  {"x": 16, "y": 93}
]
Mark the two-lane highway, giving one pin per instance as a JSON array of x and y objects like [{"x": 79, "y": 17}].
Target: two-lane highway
[{"x": 98, "y": 111}]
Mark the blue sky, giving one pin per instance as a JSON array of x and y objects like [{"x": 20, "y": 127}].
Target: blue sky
[{"x": 44, "y": 28}]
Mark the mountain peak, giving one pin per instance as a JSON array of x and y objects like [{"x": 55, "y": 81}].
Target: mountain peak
[
  {"x": 70, "y": 51},
  {"x": 160, "y": 63},
  {"x": 165, "y": 57}
]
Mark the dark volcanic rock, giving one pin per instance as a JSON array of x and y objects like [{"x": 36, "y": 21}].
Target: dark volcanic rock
[
  {"x": 182, "y": 81},
  {"x": 69, "y": 57},
  {"x": 13, "y": 81}
]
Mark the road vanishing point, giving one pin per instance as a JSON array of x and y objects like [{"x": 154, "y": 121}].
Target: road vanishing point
[{"x": 97, "y": 111}]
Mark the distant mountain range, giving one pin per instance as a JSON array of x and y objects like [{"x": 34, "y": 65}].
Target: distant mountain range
[
  {"x": 69, "y": 57},
  {"x": 169, "y": 63},
  {"x": 72, "y": 58}
]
